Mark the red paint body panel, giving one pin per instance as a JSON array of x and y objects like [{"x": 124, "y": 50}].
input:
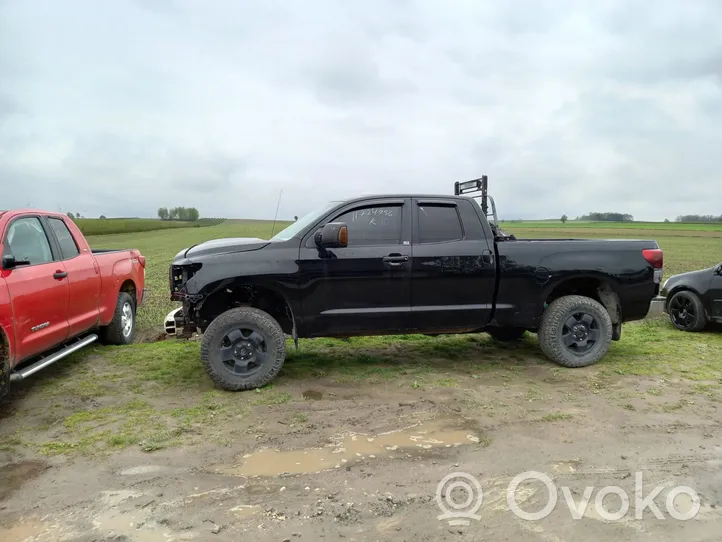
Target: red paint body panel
[{"x": 39, "y": 311}]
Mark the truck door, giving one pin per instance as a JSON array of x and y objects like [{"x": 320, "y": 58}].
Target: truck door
[
  {"x": 83, "y": 279},
  {"x": 715, "y": 293},
  {"x": 453, "y": 270},
  {"x": 364, "y": 287},
  {"x": 38, "y": 291}
]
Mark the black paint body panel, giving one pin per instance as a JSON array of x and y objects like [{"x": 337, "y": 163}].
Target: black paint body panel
[
  {"x": 458, "y": 285},
  {"x": 706, "y": 283}
]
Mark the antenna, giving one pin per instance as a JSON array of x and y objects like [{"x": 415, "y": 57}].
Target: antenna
[{"x": 273, "y": 230}]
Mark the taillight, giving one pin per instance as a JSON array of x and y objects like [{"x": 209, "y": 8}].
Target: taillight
[{"x": 655, "y": 257}]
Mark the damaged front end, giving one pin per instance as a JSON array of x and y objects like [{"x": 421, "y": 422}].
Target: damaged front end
[{"x": 180, "y": 322}]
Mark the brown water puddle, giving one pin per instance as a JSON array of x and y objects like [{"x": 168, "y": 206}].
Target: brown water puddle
[
  {"x": 20, "y": 532},
  {"x": 15, "y": 475},
  {"x": 352, "y": 447}
]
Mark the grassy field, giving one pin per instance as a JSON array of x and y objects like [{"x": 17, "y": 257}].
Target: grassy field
[
  {"x": 107, "y": 226},
  {"x": 101, "y": 395}
]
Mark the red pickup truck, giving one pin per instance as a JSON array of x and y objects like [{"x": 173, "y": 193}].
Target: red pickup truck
[{"x": 57, "y": 295}]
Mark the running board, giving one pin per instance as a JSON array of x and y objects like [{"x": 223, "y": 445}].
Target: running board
[{"x": 44, "y": 362}]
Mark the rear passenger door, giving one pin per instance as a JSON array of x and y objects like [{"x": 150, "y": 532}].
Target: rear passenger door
[
  {"x": 453, "y": 271},
  {"x": 83, "y": 278}
]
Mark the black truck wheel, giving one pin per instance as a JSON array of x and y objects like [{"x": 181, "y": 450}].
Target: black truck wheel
[
  {"x": 506, "y": 334},
  {"x": 575, "y": 331},
  {"x": 121, "y": 329},
  {"x": 686, "y": 311},
  {"x": 243, "y": 348}
]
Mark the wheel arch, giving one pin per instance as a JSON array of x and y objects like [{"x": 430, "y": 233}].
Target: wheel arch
[
  {"x": 228, "y": 294},
  {"x": 598, "y": 287}
]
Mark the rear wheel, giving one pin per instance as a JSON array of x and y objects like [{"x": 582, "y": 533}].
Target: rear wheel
[
  {"x": 121, "y": 329},
  {"x": 686, "y": 311},
  {"x": 506, "y": 334},
  {"x": 243, "y": 348},
  {"x": 575, "y": 331}
]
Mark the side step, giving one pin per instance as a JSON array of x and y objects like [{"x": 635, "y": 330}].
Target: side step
[{"x": 52, "y": 358}]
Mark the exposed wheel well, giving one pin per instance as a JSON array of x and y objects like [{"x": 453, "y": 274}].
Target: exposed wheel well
[
  {"x": 4, "y": 347},
  {"x": 240, "y": 295},
  {"x": 591, "y": 287},
  {"x": 129, "y": 286}
]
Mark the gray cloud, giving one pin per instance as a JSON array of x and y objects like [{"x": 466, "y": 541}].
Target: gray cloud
[{"x": 568, "y": 106}]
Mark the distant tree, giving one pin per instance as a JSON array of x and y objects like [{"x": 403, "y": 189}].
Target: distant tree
[
  {"x": 699, "y": 218},
  {"x": 608, "y": 217},
  {"x": 163, "y": 213},
  {"x": 666, "y": 220},
  {"x": 102, "y": 217},
  {"x": 77, "y": 215},
  {"x": 173, "y": 213},
  {"x": 71, "y": 216},
  {"x": 564, "y": 219},
  {"x": 295, "y": 218}
]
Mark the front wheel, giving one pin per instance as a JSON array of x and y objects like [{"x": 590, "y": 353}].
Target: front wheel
[
  {"x": 686, "y": 311},
  {"x": 243, "y": 348},
  {"x": 575, "y": 331}
]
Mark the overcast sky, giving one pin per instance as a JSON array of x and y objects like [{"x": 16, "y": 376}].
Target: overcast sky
[{"x": 569, "y": 106}]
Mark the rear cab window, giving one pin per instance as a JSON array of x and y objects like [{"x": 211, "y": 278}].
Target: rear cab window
[
  {"x": 438, "y": 223},
  {"x": 68, "y": 247}
]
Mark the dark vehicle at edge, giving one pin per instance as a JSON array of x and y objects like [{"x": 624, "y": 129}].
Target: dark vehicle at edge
[
  {"x": 694, "y": 299},
  {"x": 401, "y": 264}
]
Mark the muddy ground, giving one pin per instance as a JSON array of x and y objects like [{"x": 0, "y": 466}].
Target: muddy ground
[{"x": 327, "y": 459}]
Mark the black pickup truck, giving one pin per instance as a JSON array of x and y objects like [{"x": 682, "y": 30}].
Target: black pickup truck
[{"x": 400, "y": 264}]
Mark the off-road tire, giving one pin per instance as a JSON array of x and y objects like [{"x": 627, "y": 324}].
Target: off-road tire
[
  {"x": 113, "y": 332},
  {"x": 699, "y": 321},
  {"x": 227, "y": 321},
  {"x": 506, "y": 334},
  {"x": 552, "y": 324}
]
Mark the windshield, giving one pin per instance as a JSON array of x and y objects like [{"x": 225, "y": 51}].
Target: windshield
[{"x": 303, "y": 222}]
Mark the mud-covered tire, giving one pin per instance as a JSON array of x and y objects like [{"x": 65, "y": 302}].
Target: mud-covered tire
[
  {"x": 221, "y": 346},
  {"x": 565, "y": 321},
  {"x": 686, "y": 312},
  {"x": 506, "y": 334},
  {"x": 120, "y": 331}
]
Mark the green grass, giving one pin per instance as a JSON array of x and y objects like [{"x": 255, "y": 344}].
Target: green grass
[
  {"x": 160, "y": 246},
  {"x": 97, "y": 226}
]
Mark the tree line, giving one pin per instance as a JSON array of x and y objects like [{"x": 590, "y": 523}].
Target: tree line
[
  {"x": 699, "y": 218},
  {"x": 186, "y": 214}
]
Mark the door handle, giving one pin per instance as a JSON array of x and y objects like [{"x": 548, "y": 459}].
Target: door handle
[
  {"x": 487, "y": 257},
  {"x": 395, "y": 259},
  {"x": 60, "y": 275}
]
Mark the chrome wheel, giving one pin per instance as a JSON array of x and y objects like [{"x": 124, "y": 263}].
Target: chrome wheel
[{"x": 126, "y": 320}]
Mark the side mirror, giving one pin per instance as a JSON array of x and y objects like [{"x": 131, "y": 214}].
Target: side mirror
[
  {"x": 9, "y": 262},
  {"x": 332, "y": 235},
  {"x": 718, "y": 270}
]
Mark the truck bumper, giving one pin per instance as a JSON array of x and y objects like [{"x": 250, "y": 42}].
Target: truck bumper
[
  {"x": 657, "y": 307},
  {"x": 173, "y": 321}
]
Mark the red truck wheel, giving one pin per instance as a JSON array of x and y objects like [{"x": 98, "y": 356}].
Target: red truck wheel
[{"x": 121, "y": 329}]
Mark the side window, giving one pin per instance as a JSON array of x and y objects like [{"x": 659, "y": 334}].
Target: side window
[
  {"x": 439, "y": 223},
  {"x": 368, "y": 226},
  {"x": 26, "y": 240},
  {"x": 67, "y": 244}
]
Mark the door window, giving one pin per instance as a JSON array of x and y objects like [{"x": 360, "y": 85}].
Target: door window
[
  {"x": 368, "y": 226},
  {"x": 439, "y": 223},
  {"x": 26, "y": 240},
  {"x": 65, "y": 239}
]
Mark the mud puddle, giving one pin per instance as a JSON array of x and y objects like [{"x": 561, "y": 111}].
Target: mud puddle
[
  {"x": 15, "y": 475},
  {"x": 353, "y": 447},
  {"x": 312, "y": 395}
]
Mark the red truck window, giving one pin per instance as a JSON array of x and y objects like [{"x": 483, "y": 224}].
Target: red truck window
[
  {"x": 68, "y": 247},
  {"x": 26, "y": 240}
]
